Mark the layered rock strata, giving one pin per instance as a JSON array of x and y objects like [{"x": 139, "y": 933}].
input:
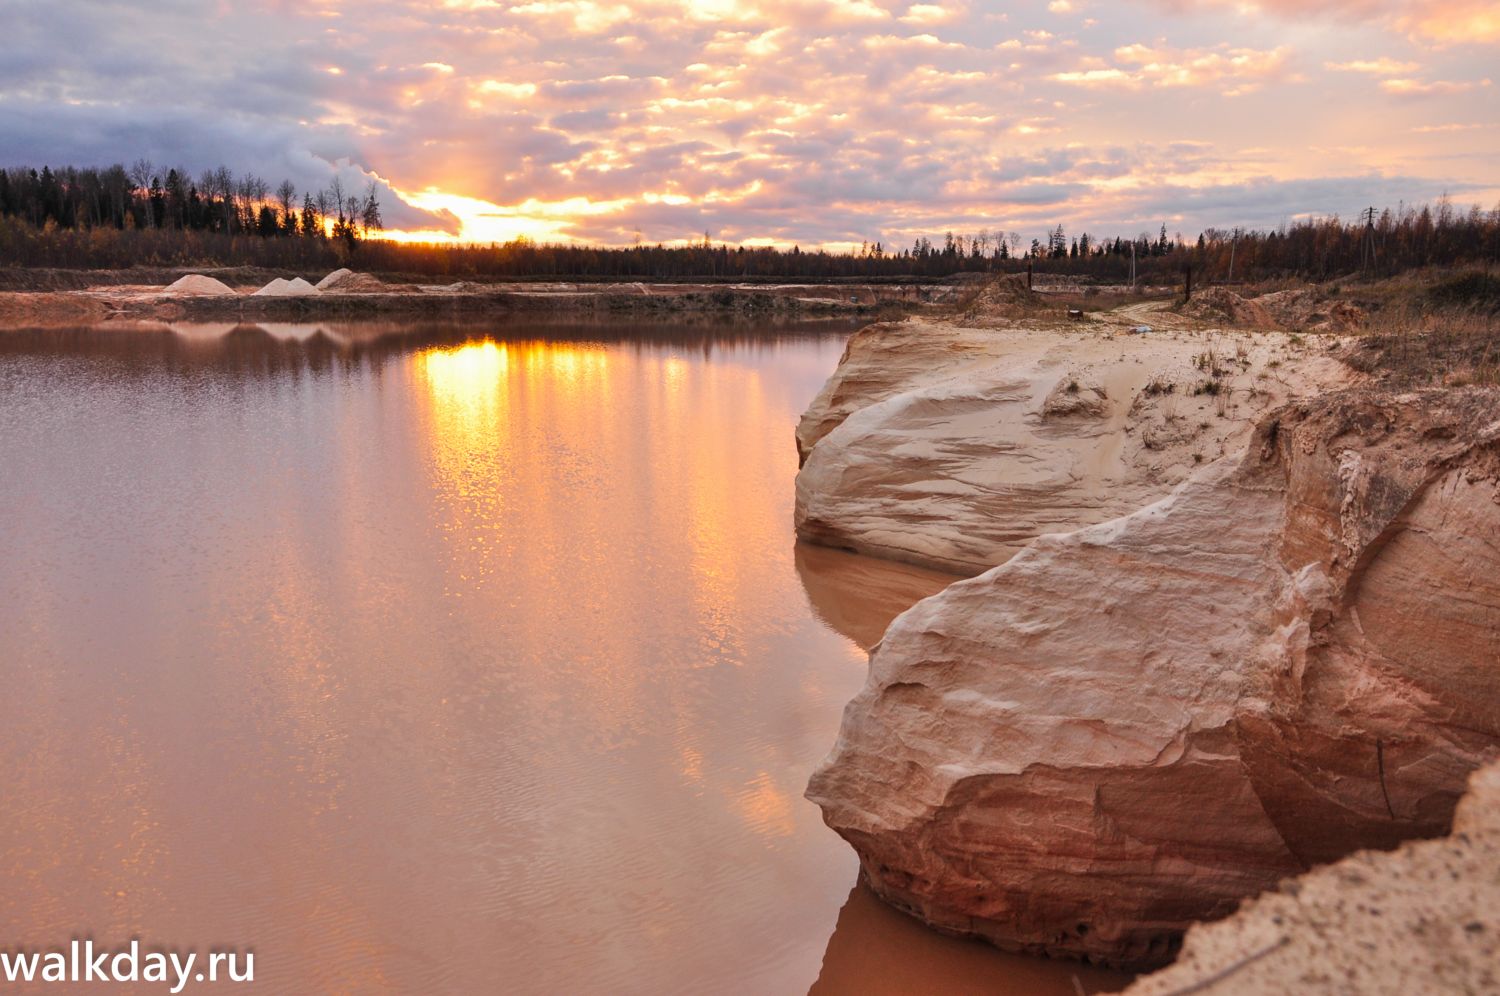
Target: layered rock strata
[{"x": 1135, "y": 725}]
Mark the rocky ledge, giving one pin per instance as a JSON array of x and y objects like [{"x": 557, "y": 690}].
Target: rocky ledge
[
  {"x": 953, "y": 443},
  {"x": 1135, "y": 725}
]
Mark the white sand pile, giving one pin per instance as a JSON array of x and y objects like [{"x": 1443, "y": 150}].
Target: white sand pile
[
  {"x": 296, "y": 287},
  {"x": 334, "y": 278},
  {"x": 197, "y": 283},
  {"x": 355, "y": 283}
]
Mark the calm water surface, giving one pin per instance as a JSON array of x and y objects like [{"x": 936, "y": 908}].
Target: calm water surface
[{"x": 438, "y": 660}]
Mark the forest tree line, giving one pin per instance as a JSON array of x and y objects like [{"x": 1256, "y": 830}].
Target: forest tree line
[
  {"x": 143, "y": 197},
  {"x": 117, "y": 217}
]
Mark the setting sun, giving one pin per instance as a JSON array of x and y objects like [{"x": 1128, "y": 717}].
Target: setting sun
[{"x": 481, "y": 221}]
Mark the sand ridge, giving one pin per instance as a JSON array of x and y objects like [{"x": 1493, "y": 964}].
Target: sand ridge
[{"x": 953, "y": 446}]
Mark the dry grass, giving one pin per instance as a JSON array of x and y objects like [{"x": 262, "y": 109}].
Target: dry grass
[
  {"x": 1475, "y": 291},
  {"x": 1452, "y": 346},
  {"x": 1006, "y": 296},
  {"x": 1213, "y": 362},
  {"x": 893, "y": 311},
  {"x": 1089, "y": 300},
  {"x": 1160, "y": 383},
  {"x": 1429, "y": 329}
]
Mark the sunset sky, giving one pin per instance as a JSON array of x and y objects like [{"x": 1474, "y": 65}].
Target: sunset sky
[{"x": 820, "y": 123}]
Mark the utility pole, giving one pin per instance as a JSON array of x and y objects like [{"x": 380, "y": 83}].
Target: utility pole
[
  {"x": 1367, "y": 250},
  {"x": 1233, "y": 245},
  {"x": 1132, "y": 264}
]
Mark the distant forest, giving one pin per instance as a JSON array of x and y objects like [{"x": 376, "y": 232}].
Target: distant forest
[{"x": 118, "y": 217}]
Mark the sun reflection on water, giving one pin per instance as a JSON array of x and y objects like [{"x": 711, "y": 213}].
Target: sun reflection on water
[
  {"x": 485, "y": 662},
  {"x": 468, "y": 378}
]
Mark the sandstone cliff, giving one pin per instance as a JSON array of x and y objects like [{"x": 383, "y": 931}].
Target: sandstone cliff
[
  {"x": 1135, "y": 725},
  {"x": 953, "y": 447}
]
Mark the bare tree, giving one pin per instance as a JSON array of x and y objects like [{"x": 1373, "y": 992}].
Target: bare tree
[
  {"x": 336, "y": 194},
  {"x": 140, "y": 174},
  {"x": 250, "y": 191},
  {"x": 224, "y": 185},
  {"x": 369, "y": 215},
  {"x": 286, "y": 196}
]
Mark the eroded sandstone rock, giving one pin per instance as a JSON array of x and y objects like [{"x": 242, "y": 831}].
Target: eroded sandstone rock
[
  {"x": 879, "y": 361},
  {"x": 953, "y": 447},
  {"x": 1133, "y": 726}
]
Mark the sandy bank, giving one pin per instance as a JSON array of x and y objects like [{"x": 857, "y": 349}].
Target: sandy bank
[
  {"x": 347, "y": 294},
  {"x": 1133, "y": 726},
  {"x": 1424, "y": 918},
  {"x": 953, "y": 443},
  {"x": 50, "y": 309},
  {"x": 1235, "y": 617}
]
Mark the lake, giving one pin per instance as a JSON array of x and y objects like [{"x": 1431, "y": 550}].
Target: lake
[{"x": 439, "y": 659}]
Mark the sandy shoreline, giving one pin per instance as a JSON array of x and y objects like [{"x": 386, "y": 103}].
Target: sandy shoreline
[
  {"x": 48, "y": 298},
  {"x": 1229, "y": 621}
]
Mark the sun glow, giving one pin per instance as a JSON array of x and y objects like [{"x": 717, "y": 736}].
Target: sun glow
[
  {"x": 482, "y": 221},
  {"x": 467, "y": 381}
]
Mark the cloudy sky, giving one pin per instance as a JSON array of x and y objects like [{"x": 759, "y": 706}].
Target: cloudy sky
[{"x": 820, "y": 122}]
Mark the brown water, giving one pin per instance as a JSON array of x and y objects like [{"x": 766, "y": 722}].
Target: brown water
[{"x": 450, "y": 660}]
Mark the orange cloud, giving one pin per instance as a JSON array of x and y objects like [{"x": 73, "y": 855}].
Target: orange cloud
[
  {"x": 1454, "y": 21},
  {"x": 1446, "y": 22},
  {"x": 1429, "y": 88},
  {"x": 813, "y": 121},
  {"x": 1142, "y": 65},
  {"x": 1382, "y": 66},
  {"x": 931, "y": 13}
]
